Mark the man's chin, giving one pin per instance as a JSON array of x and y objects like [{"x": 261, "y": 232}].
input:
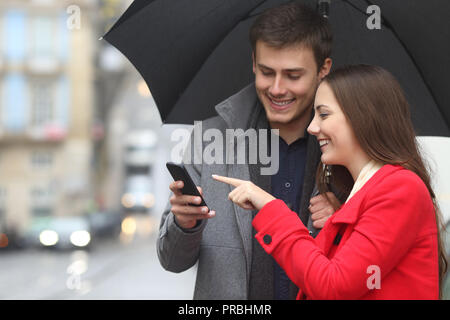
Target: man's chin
[
  {"x": 280, "y": 119},
  {"x": 289, "y": 118},
  {"x": 282, "y": 116}
]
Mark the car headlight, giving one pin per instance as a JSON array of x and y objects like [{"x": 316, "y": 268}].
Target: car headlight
[
  {"x": 148, "y": 200},
  {"x": 128, "y": 200},
  {"x": 48, "y": 238},
  {"x": 129, "y": 226},
  {"x": 80, "y": 238}
]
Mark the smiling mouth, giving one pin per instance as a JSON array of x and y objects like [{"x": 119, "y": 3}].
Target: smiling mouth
[
  {"x": 323, "y": 142},
  {"x": 280, "y": 104}
]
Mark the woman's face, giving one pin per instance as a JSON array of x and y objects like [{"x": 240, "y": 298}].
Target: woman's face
[{"x": 333, "y": 131}]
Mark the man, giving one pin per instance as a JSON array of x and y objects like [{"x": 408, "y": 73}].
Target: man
[{"x": 291, "y": 48}]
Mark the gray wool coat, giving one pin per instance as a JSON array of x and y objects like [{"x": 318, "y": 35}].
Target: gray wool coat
[{"x": 222, "y": 246}]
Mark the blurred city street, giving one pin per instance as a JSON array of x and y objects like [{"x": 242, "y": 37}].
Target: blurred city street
[
  {"x": 111, "y": 270},
  {"x": 83, "y": 152},
  {"x": 123, "y": 267}
]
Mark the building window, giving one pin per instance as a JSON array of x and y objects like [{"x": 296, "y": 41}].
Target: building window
[
  {"x": 39, "y": 212},
  {"x": 48, "y": 107},
  {"x": 41, "y": 195},
  {"x": 43, "y": 37},
  {"x": 2, "y": 102},
  {"x": 2, "y": 40},
  {"x": 41, "y": 201},
  {"x": 14, "y": 103},
  {"x": 42, "y": 103},
  {"x": 41, "y": 159},
  {"x": 14, "y": 35}
]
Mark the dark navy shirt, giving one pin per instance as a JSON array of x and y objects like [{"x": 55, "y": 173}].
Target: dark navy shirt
[{"x": 287, "y": 185}]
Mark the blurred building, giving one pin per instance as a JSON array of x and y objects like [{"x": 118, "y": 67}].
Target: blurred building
[
  {"x": 126, "y": 155},
  {"x": 47, "y": 103}
]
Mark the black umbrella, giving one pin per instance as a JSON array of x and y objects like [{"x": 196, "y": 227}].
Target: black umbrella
[{"x": 194, "y": 54}]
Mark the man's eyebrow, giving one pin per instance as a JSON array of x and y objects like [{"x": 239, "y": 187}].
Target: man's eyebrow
[
  {"x": 295, "y": 70},
  {"x": 263, "y": 66},
  {"x": 286, "y": 70}
]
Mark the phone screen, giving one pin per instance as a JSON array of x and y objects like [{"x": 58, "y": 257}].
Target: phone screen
[{"x": 179, "y": 172}]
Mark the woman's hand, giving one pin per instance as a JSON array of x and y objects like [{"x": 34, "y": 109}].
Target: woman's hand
[{"x": 246, "y": 194}]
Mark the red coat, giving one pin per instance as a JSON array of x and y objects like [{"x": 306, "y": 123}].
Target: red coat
[{"x": 386, "y": 230}]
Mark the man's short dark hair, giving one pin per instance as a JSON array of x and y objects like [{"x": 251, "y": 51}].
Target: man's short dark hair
[{"x": 293, "y": 24}]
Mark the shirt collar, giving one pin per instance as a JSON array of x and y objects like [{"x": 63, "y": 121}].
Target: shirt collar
[
  {"x": 366, "y": 173},
  {"x": 297, "y": 143}
]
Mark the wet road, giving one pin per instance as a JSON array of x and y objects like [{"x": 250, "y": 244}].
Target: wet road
[{"x": 111, "y": 270}]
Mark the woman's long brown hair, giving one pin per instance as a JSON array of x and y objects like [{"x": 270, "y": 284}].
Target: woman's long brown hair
[{"x": 376, "y": 107}]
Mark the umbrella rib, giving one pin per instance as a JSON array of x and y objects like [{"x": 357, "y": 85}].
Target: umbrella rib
[
  {"x": 258, "y": 13},
  {"x": 212, "y": 50},
  {"x": 365, "y": 13},
  {"x": 134, "y": 7},
  {"x": 389, "y": 25}
]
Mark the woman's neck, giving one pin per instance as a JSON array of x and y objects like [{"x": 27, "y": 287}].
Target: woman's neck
[{"x": 357, "y": 164}]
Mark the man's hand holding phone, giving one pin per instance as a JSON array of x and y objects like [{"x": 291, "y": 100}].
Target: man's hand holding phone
[{"x": 185, "y": 207}]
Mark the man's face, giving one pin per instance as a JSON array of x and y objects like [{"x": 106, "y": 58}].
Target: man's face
[{"x": 286, "y": 80}]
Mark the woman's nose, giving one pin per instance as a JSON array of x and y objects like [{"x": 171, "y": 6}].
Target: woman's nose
[{"x": 313, "y": 128}]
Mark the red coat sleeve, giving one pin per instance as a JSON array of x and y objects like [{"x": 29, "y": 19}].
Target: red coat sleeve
[{"x": 387, "y": 228}]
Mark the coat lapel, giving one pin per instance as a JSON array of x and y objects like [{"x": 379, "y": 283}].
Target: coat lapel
[
  {"x": 349, "y": 212},
  {"x": 338, "y": 223},
  {"x": 252, "y": 173},
  {"x": 243, "y": 217}
]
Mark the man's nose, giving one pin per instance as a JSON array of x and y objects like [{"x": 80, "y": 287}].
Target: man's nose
[{"x": 277, "y": 88}]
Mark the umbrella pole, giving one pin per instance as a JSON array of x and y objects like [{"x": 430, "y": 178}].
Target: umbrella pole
[{"x": 323, "y": 7}]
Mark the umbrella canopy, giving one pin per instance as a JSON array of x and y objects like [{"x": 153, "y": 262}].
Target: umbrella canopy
[{"x": 194, "y": 54}]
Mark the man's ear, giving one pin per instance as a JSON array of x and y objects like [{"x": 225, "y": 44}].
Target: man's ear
[
  {"x": 253, "y": 62},
  {"x": 325, "y": 69}
]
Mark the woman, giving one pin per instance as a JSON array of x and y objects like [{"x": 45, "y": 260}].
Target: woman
[{"x": 384, "y": 241}]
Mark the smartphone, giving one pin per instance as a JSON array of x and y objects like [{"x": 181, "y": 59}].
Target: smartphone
[{"x": 179, "y": 172}]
